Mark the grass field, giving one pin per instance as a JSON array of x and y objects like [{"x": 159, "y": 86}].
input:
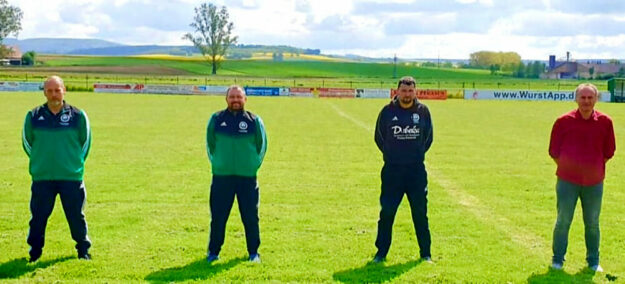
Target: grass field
[
  {"x": 83, "y": 71},
  {"x": 491, "y": 196}
]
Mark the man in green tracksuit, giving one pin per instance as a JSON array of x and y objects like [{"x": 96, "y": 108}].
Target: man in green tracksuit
[
  {"x": 236, "y": 144},
  {"x": 57, "y": 139}
]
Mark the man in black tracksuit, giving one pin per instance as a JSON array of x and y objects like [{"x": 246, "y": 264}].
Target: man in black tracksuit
[{"x": 403, "y": 133}]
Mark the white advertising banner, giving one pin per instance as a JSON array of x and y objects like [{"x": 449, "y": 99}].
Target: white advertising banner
[
  {"x": 117, "y": 88},
  {"x": 373, "y": 93},
  {"x": 210, "y": 90},
  {"x": 20, "y": 86},
  {"x": 526, "y": 95},
  {"x": 168, "y": 89}
]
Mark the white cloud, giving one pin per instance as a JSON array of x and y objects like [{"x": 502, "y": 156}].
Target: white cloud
[{"x": 410, "y": 28}]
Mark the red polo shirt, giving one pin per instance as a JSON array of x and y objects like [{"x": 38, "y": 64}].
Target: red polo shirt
[{"x": 582, "y": 146}]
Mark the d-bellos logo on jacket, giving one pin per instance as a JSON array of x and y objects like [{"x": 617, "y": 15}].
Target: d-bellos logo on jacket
[{"x": 405, "y": 133}]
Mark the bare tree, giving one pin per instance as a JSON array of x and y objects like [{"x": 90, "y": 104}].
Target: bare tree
[
  {"x": 213, "y": 33},
  {"x": 10, "y": 23}
]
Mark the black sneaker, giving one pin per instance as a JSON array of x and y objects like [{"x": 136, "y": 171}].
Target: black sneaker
[
  {"x": 35, "y": 254},
  {"x": 255, "y": 258},
  {"x": 84, "y": 256},
  {"x": 212, "y": 257},
  {"x": 378, "y": 259}
]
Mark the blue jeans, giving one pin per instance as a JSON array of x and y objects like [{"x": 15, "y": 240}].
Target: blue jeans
[{"x": 567, "y": 195}]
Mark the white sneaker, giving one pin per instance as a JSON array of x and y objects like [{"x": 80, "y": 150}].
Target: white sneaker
[
  {"x": 556, "y": 266},
  {"x": 596, "y": 268}
]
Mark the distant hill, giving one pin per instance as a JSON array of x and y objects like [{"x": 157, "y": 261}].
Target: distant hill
[
  {"x": 58, "y": 45},
  {"x": 98, "y": 47}
]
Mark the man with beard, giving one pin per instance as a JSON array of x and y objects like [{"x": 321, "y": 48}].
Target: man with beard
[
  {"x": 403, "y": 133},
  {"x": 236, "y": 144}
]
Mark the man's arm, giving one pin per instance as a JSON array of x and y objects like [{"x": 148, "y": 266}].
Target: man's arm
[
  {"x": 84, "y": 134},
  {"x": 609, "y": 145},
  {"x": 429, "y": 135},
  {"x": 379, "y": 132},
  {"x": 556, "y": 141},
  {"x": 261, "y": 138},
  {"x": 27, "y": 134},
  {"x": 210, "y": 137}
]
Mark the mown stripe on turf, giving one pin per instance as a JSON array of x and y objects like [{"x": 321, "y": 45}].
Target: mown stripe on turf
[{"x": 535, "y": 244}]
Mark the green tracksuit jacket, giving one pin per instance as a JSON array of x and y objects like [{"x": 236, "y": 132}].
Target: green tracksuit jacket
[
  {"x": 57, "y": 145},
  {"x": 236, "y": 143}
]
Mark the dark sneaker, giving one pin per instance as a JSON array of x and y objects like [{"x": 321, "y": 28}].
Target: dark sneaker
[
  {"x": 212, "y": 258},
  {"x": 596, "y": 268},
  {"x": 35, "y": 254},
  {"x": 378, "y": 259},
  {"x": 84, "y": 256},
  {"x": 556, "y": 265},
  {"x": 427, "y": 259},
  {"x": 255, "y": 258}
]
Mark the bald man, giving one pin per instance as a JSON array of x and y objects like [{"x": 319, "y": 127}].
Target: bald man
[
  {"x": 582, "y": 142},
  {"x": 57, "y": 139}
]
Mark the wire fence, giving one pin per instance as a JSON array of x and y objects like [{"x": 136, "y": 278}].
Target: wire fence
[{"x": 84, "y": 82}]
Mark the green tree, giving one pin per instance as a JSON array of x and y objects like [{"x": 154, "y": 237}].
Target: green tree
[
  {"x": 10, "y": 23},
  {"x": 28, "y": 58},
  {"x": 520, "y": 70},
  {"x": 505, "y": 61},
  {"x": 213, "y": 33}
]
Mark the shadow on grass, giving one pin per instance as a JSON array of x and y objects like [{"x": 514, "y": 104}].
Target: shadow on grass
[
  {"x": 197, "y": 270},
  {"x": 559, "y": 276},
  {"x": 374, "y": 272},
  {"x": 20, "y": 266}
]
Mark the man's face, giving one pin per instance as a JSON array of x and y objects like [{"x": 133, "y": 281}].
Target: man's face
[
  {"x": 586, "y": 99},
  {"x": 406, "y": 93},
  {"x": 54, "y": 92},
  {"x": 236, "y": 99}
]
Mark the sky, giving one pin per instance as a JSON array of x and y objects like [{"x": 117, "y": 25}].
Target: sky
[{"x": 409, "y": 29}]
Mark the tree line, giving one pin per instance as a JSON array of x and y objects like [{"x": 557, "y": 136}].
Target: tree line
[{"x": 508, "y": 62}]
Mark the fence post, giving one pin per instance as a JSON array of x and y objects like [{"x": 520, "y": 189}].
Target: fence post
[
  {"x": 26, "y": 77},
  {"x": 177, "y": 81},
  {"x": 87, "y": 81},
  {"x": 205, "y": 81},
  {"x": 294, "y": 83},
  {"x": 473, "y": 85}
]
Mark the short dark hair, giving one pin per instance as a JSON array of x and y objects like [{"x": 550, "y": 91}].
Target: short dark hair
[{"x": 407, "y": 80}]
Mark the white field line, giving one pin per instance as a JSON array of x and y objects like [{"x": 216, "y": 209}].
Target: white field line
[{"x": 471, "y": 203}]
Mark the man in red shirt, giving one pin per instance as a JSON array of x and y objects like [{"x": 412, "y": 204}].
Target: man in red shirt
[{"x": 582, "y": 141}]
